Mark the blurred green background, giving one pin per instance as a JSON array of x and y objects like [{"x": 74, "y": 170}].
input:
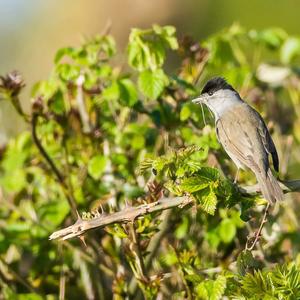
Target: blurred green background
[
  {"x": 31, "y": 31},
  {"x": 90, "y": 139}
]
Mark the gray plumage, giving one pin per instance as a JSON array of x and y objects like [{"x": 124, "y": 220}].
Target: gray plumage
[{"x": 243, "y": 134}]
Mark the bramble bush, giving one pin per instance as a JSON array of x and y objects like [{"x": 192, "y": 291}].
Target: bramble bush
[{"x": 104, "y": 136}]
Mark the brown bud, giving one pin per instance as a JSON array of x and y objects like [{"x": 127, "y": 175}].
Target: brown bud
[{"x": 12, "y": 82}]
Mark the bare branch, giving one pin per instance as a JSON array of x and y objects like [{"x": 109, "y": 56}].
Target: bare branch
[
  {"x": 287, "y": 187},
  {"x": 124, "y": 216},
  {"x": 131, "y": 213}
]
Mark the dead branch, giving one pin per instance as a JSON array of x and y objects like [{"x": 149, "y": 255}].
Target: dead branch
[
  {"x": 131, "y": 213},
  {"x": 124, "y": 216}
]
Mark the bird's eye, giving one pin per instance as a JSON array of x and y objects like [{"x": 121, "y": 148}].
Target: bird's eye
[{"x": 210, "y": 93}]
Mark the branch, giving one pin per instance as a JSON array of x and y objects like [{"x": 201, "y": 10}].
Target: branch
[
  {"x": 127, "y": 215},
  {"x": 131, "y": 213},
  {"x": 288, "y": 186},
  {"x": 258, "y": 233},
  {"x": 52, "y": 165}
]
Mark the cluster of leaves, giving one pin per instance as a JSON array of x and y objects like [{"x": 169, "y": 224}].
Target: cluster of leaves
[{"x": 105, "y": 136}]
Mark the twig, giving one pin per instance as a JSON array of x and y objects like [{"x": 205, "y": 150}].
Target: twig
[
  {"x": 153, "y": 246},
  {"x": 42, "y": 150},
  {"x": 124, "y": 216},
  {"x": 53, "y": 167},
  {"x": 286, "y": 186},
  {"x": 18, "y": 278},
  {"x": 62, "y": 278},
  {"x": 136, "y": 250},
  {"x": 258, "y": 233}
]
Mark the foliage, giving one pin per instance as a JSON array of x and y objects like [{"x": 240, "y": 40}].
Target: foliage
[{"x": 105, "y": 136}]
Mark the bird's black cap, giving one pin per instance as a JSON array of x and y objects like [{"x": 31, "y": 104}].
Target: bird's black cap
[{"x": 215, "y": 84}]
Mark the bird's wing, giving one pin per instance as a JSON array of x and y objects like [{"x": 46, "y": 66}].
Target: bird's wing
[
  {"x": 237, "y": 132},
  {"x": 268, "y": 142}
]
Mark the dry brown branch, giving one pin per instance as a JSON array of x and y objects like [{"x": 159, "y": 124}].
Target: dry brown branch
[
  {"x": 131, "y": 213},
  {"x": 124, "y": 216}
]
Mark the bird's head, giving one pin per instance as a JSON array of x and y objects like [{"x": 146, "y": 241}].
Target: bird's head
[{"x": 214, "y": 90}]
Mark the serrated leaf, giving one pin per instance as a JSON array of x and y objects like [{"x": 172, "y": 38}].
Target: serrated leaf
[
  {"x": 173, "y": 188},
  {"x": 245, "y": 261},
  {"x": 152, "y": 83},
  {"x": 212, "y": 289},
  {"x": 207, "y": 200},
  {"x": 145, "y": 165},
  {"x": 211, "y": 174},
  {"x": 193, "y": 184}
]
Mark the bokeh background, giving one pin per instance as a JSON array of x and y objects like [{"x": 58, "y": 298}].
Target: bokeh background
[{"x": 31, "y": 31}]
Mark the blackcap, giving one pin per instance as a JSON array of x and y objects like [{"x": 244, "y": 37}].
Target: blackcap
[{"x": 243, "y": 134}]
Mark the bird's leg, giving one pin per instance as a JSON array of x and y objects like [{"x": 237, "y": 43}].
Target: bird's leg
[{"x": 236, "y": 178}]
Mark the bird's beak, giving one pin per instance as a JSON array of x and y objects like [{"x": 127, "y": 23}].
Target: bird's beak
[{"x": 199, "y": 100}]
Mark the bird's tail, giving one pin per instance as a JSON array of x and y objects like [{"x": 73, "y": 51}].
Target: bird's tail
[{"x": 269, "y": 186}]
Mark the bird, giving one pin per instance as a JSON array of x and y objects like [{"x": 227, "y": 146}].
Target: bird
[{"x": 242, "y": 132}]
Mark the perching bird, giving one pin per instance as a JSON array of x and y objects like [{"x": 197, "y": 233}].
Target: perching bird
[{"x": 243, "y": 134}]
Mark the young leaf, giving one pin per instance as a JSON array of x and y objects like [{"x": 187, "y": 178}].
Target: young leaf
[
  {"x": 152, "y": 83},
  {"x": 207, "y": 199},
  {"x": 193, "y": 184}
]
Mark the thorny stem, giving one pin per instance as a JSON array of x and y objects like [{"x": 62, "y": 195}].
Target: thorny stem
[
  {"x": 258, "y": 233},
  {"x": 124, "y": 216}
]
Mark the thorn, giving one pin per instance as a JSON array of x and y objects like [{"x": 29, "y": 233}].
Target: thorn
[
  {"x": 78, "y": 215},
  {"x": 102, "y": 210},
  {"x": 82, "y": 238}
]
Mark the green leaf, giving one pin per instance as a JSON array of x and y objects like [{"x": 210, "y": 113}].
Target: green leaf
[
  {"x": 227, "y": 230},
  {"x": 147, "y": 48},
  {"x": 182, "y": 230},
  {"x": 245, "y": 261},
  {"x": 123, "y": 90},
  {"x": 127, "y": 92},
  {"x": 185, "y": 113},
  {"x": 116, "y": 230},
  {"x": 14, "y": 181},
  {"x": 208, "y": 173},
  {"x": 96, "y": 166},
  {"x": 138, "y": 142},
  {"x": 290, "y": 49},
  {"x": 212, "y": 289},
  {"x": 29, "y": 296},
  {"x": 152, "y": 83},
  {"x": 272, "y": 37},
  {"x": 68, "y": 72},
  {"x": 67, "y": 51},
  {"x": 207, "y": 200},
  {"x": 193, "y": 184}
]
